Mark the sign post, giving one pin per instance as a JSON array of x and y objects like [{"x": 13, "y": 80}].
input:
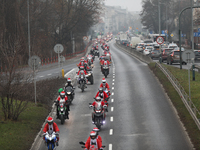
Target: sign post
[
  {"x": 188, "y": 56},
  {"x": 160, "y": 40},
  {"x": 58, "y": 48},
  {"x": 34, "y": 62}
]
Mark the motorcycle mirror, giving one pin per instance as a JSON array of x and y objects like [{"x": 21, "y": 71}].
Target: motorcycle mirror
[
  {"x": 83, "y": 146},
  {"x": 82, "y": 143},
  {"x": 90, "y": 103},
  {"x": 103, "y": 146}
]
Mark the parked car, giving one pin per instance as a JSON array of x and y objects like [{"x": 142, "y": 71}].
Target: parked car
[
  {"x": 174, "y": 57},
  {"x": 155, "y": 54},
  {"x": 197, "y": 54},
  {"x": 165, "y": 53}
]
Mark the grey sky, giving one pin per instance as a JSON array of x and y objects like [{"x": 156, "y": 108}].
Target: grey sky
[{"x": 132, "y": 5}]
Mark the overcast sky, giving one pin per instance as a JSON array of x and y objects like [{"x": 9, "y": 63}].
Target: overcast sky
[{"x": 132, "y": 5}]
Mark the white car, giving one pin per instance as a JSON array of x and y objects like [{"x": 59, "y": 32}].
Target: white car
[
  {"x": 148, "y": 50},
  {"x": 140, "y": 47}
]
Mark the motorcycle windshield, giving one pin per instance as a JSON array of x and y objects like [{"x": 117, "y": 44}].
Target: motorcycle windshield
[
  {"x": 98, "y": 106},
  {"x": 68, "y": 89}
]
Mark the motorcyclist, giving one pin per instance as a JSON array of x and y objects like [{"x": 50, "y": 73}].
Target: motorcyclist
[
  {"x": 95, "y": 129},
  {"x": 62, "y": 97},
  {"x": 102, "y": 94},
  {"x": 82, "y": 69},
  {"x": 69, "y": 83},
  {"x": 82, "y": 62},
  {"x": 89, "y": 56},
  {"x": 92, "y": 140},
  {"x": 105, "y": 85},
  {"x": 98, "y": 100},
  {"x": 51, "y": 127}
]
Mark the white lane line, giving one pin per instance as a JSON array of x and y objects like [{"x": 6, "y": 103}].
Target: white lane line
[
  {"x": 49, "y": 74},
  {"x": 111, "y": 119},
  {"x": 112, "y": 100},
  {"x": 112, "y": 108},
  {"x": 113, "y": 79},
  {"x": 112, "y": 88},
  {"x": 41, "y": 76},
  {"x": 110, "y": 146},
  {"x": 113, "y": 76},
  {"x": 113, "y": 83},
  {"x": 112, "y": 93},
  {"x": 111, "y": 131}
]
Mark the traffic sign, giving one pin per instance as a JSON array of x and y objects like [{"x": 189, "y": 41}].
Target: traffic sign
[
  {"x": 188, "y": 55},
  {"x": 85, "y": 38},
  {"x": 160, "y": 40},
  {"x": 34, "y": 62},
  {"x": 58, "y": 48},
  {"x": 172, "y": 35}
]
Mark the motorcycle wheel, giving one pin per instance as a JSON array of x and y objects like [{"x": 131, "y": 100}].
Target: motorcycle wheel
[
  {"x": 82, "y": 87},
  {"x": 92, "y": 80},
  {"x": 50, "y": 147},
  {"x": 98, "y": 124},
  {"x": 105, "y": 74},
  {"x": 62, "y": 119}
]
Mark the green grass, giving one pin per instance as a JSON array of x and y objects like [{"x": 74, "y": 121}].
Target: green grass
[
  {"x": 182, "y": 76},
  {"x": 20, "y": 135}
]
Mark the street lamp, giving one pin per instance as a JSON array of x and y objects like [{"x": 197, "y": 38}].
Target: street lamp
[{"x": 29, "y": 45}]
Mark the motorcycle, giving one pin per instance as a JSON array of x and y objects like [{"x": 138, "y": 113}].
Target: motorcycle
[
  {"x": 105, "y": 69},
  {"x": 82, "y": 81},
  {"x": 90, "y": 61},
  {"x": 92, "y": 147},
  {"x": 69, "y": 92},
  {"x": 98, "y": 114},
  {"x": 50, "y": 140},
  {"x": 96, "y": 52},
  {"x": 90, "y": 76},
  {"x": 106, "y": 90},
  {"x": 62, "y": 110}
]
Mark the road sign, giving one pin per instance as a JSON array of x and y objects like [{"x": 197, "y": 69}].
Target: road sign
[
  {"x": 85, "y": 38},
  {"x": 58, "y": 48},
  {"x": 172, "y": 35},
  {"x": 188, "y": 56},
  {"x": 34, "y": 62},
  {"x": 160, "y": 40},
  {"x": 61, "y": 59}
]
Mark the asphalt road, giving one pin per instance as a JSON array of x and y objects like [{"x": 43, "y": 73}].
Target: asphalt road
[{"x": 140, "y": 115}]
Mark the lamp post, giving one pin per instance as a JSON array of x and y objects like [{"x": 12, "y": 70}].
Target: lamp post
[{"x": 29, "y": 46}]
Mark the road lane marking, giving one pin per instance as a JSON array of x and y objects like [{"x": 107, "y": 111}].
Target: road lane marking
[
  {"x": 111, "y": 119},
  {"x": 112, "y": 100},
  {"x": 110, "y": 146},
  {"x": 113, "y": 76},
  {"x": 112, "y": 93},
  {"x": 85, "y": 115},
  {"x": 49, "y": 74},
  {"x": 113, "y": 83},
  {"x": 112, "y": 108},
  {"x": 112, "y": 88},
  {"x": 41, "y": 76},
  {"x": 113, "y": 79},
  {"x": 111, "y": 131}
]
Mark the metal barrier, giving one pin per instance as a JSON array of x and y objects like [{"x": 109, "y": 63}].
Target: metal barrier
[{"x": 194, "y": 112}]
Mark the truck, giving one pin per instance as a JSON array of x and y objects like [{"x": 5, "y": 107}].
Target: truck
[
  {"x": 123, "y": 36},
  {"x": 134, "y": 42}
]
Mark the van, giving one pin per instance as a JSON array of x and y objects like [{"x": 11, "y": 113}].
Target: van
[{"x": 134, "y": 41}]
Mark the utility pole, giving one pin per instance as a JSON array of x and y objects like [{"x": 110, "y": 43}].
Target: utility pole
[{"x": 29, "y": 45}]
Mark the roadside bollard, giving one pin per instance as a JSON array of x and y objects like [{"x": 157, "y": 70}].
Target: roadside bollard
[{"x": 63, "y": 73}]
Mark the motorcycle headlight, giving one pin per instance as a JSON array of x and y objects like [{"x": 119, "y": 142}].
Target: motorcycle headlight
[
  {"x": 68, "y": 92},
  {"x": 98, "y": 111},
  {"x": 89, "y": 74}
]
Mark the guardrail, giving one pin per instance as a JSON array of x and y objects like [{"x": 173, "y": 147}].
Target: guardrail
[{"x": 194, "y": 112}]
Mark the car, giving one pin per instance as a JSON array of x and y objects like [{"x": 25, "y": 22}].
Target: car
[
  {"x": 165, "y": 53},
  {"x": 172, "y": 45},
  {"x": 197, "y": 54},
  {"x": 140, "y": 47},
  {"x": 174, "y": 57},
  {"x": 155, "y": 54},
  {"x": 124, "y": 42},
  {"x": 147, "y": 50}
]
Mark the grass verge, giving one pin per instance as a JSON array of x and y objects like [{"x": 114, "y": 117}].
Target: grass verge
[
  {"x": 182, "y": 76},
  {"x": 20, "y": 135}
]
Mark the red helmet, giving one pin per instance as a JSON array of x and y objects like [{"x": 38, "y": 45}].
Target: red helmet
[
  {"x": 50, "y": 120},
  {"x": 62, "y": 94},
  {"x": 69, "y": 80},
  {"x": 93, "y": 135},
  {"x": 95, "y": 129},
  {"x": 103, "y": 80}
]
